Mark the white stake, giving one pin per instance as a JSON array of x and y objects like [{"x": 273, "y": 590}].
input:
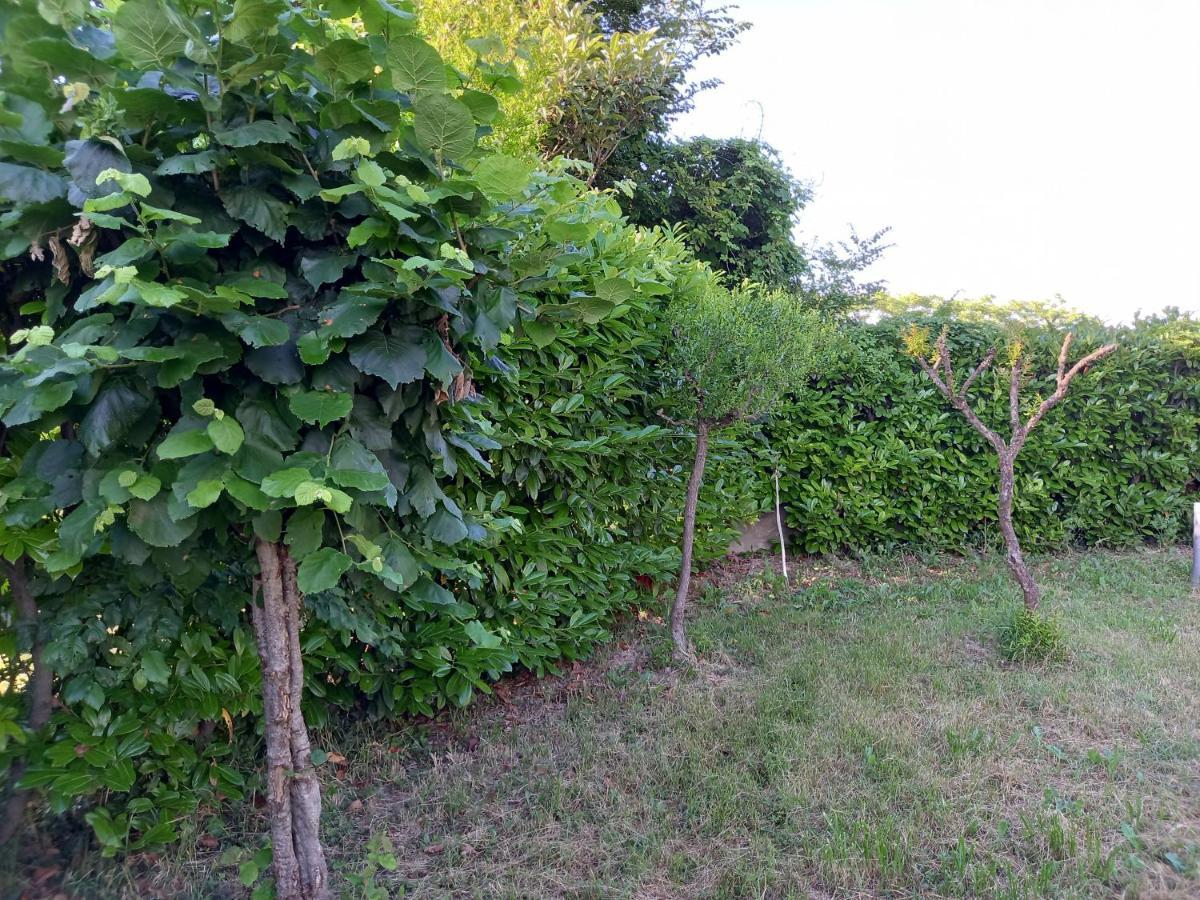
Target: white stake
[
  {"x": 1195, "y": 547},
  {"x": 783, "y": 543}
]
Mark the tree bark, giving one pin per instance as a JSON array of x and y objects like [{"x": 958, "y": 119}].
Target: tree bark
[
  {"x": 1013, "y": 555},
  {"x": 683, "y": 649},
  {"x": 293, "y": 791},
  {"x": 38, "y": 692}
]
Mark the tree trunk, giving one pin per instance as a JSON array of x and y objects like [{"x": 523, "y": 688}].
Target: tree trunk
[
  {"x": 683, "y": 650},
  {"x": 38, "y": 692},
  {"x": 293, "y": 791},
  {"x": 1013, "y": 556}
]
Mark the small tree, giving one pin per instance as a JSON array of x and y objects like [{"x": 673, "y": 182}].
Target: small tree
[
  {"x": 734, "y": 355},
  {"x": 940, "y": 370}
]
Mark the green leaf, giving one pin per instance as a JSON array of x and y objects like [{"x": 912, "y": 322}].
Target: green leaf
[
  {"x": 314, "y": 348},
  {"x": 264, "y": 131},
  {"x": 396, "y": 358},
  {"x": 614, "y": 290},
  {"x": 151, "y": 521},
  {"x": 415, "y": 66},
  {"x": 541, "y": 333},
  {"x": 502, "y": 177},
  {"x": 179, "y": 444},
  {"x": 154, "y": 667},
  {"x": 114, "y": 411},
  {"x": 322, "y": 570},
  {"x": 257, "y": 331},
  {"x": 190, "y": 163},
  {"x": 481, "y": 637},
  {"x": 146, "y": 487},
  {"x": 284, "y": 482},
  {"x": 61, "y": 12},
  {"x": 246, "y": 493},
  {"x": 443, "y": 126},
  {"x": 484, "y": 107},
  {"x": 254, "y": 20},
  {"x": 352, "y": 314},
  {"x": 354, "y": 466},
  {"x": 348, "y": 148},
  {"x": 304, "y": 530},
  {"x": 321, "y": 407},
  {"x": 147, "y": 34},
  {"x": 441, "y": 364},
  {"x": 345, "y": 61},
  {"x": 25, "y": 184},
  {"x": 205, "y": 494},
  {"x": 258, "y": 209},
  {"x": 445, "y": 527},
  {"x": 323, "y": 267},
  {"x": 248, "y": 872},
  {"x": 226, "y": 434}
]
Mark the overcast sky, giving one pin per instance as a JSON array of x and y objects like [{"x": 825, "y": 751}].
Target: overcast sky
[{"x": 1020, "y": 148}]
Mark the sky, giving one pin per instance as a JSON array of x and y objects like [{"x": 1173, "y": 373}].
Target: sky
[{"x": 1017, "y": 148}]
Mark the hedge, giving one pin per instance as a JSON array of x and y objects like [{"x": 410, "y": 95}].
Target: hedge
[{"x": 873, "y": 457}]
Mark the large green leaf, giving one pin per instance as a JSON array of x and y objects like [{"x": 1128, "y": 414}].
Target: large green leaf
[
  {"x": 323, "y": 267},
  {"x": 322, "y": 570},
  {"x": 254, "y": 20},
  {"x": 257, "y": 331},
  {"x": 345, "y": 61},
  {"x": 147, "y": 33},
  {"x": 415, "y": 66},
  {"x": 264, "y": 131},
  {"x": 25, "y": 184},
  {"x": 226, "y": 434},
  {"x": 181, "y": 443},
  {"x": 321, "y": 407},
  {"x": 151, "y": 521},
  {"x": 502, "y": 177},
  {"x": 444, "y": 126},
  {"x": 352, "y": 314},
  {"x": 114, "y": 411},
  {"x": 259, "y": 209},
  {"x": 396, "y": 358}
]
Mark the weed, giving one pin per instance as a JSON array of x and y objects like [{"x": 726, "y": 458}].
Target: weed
[{"x": 1029, "y": 636}]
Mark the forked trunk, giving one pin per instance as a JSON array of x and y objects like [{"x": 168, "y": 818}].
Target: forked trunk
[
  {"x": 683, "y": 649},
  {"x": 1012, "y": 555},
  {"x": 293, "y": 791},
  {"x": 38, "y": 692}
]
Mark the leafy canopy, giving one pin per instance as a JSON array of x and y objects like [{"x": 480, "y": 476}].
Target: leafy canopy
[{"x": 734, "y": 354}]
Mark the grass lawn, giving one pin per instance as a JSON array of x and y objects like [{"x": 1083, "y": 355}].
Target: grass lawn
[{"x": 858, "y": 736}]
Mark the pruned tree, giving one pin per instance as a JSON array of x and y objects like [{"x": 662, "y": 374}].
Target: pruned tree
[
  {"x": 734, "y": 356},
  {"x": 940, "y": 369}
]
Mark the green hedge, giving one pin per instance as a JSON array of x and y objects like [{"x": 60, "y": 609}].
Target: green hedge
[{"x": 873, "y": 457}]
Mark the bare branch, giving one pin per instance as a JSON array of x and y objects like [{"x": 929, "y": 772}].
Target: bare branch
[
  {"x": 960, "y": 403},
  {"x": 983, "y": 366},
  {"x": 944, "y": 359},
  {"x": 1014, "y": 396},
  {"x": 1064, "y": 382},
  {"x": 1062, "y": 356}
]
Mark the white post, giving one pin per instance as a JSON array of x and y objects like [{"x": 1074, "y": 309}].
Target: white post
[
  {"x": 779, "y": 525},
  {"x": 1195, "y": 547}
]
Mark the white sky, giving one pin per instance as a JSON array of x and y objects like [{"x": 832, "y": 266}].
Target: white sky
[{"x": 1021, "y": 148}]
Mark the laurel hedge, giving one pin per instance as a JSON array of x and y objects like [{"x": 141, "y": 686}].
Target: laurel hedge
[{"x": 873, "y": 458}]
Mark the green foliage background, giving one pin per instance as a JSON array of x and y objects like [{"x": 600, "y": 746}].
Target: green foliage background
[{"x": 873, "y": 457}]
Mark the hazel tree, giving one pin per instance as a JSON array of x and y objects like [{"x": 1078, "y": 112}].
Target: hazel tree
[
  {"x": 248, "y": 248},
  {"x": 733, "y": 355},
  {"x": 939, "y": 366}
]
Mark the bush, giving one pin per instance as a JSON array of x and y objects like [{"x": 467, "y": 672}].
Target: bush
[{"x": 1029, "y": 636}]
